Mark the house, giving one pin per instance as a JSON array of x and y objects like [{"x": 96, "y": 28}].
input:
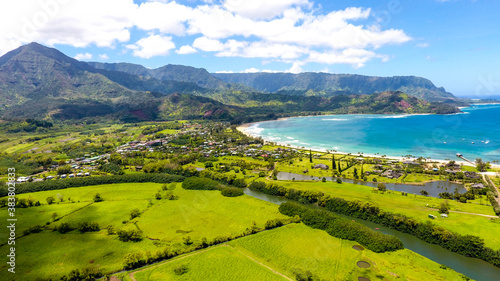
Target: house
[
  {"x": 477, "y": 185},
  {"x": 444, "y": 215},
  {"x": 321, "y": 166}
]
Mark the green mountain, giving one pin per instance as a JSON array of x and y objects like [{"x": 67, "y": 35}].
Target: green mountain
[
  {"x": 334, "y": 84},
  {"x": 41, "y": 82},
  {"x": 170, "y": 72}
]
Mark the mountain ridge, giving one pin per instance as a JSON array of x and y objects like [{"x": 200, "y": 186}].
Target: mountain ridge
[
  {"x": 37, "y": 81},
  {"x": 339, "y": 83}
]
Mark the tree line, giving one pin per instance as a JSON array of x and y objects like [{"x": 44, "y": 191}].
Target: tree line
[
  {"x": 342, "y": 228},
  {"x": 87, "y": 181}
]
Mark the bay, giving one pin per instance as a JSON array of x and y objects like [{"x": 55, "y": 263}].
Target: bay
[{"x": 475, "y": 133}]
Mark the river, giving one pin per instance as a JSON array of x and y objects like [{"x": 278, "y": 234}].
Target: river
[
  {"x": 474, "y": 268},
  {"x": 433, "y": 187}
]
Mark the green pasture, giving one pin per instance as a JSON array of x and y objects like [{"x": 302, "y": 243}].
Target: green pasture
[
  {"x": 299, "y": 247},
  {"x": 216, "y": 263},
  {"x": 416, "y": 206},
  {"x": 195, "y": 213}
]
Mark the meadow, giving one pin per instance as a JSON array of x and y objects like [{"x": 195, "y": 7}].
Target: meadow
[
  {"x": 291, "y": 250},
  {"x": 216, "y": 263},
  {"x": 164, "y": 223},
  {"x": 416, "y": 206}
]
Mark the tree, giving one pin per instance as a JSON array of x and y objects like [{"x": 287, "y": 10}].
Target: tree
[
  {"x": 481, "y": 166},
  {"x": 50, "y": 199},
  {"x": 54, "y": 216},
  {"x": 334, "y": 165},
  {"x": 66, "y": 169},
  {"x": 134, "y": 213},
  {"x": 382, "y": 187},
  {"x": 310, "y": 156},
  {"x": 424, "y": 192},
  {"x": 98, "y": 198},
  {"x": 444, "y": 208}
]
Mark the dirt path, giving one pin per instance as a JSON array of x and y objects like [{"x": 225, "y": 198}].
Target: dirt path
[
  {"x": 474, "y": 214},
  {"x": 489, "y": 181},
  {"x": 131, "y": 274}
]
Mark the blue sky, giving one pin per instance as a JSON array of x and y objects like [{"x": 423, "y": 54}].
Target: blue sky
[{"x": 454, "y": 43}]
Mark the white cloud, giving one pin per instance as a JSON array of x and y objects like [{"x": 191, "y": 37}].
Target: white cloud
[
  {"x": 185, "y": 50},
  {"x": 154, "y": 45},
  {"x": 423, "y": 45},
  {"x": 261, "y": 9},
  {"x": 296, "y": 67},
  {"x": 283, "y": 30},
  {"x": 261, "y": 49},
  {"x": 77, "y": 23},
  {"x": 167, "y": 18},
  {"x": 86, "y": 56},
  {"x": 208, "y": 45},
  {"x": 355, "y": 57},
  {"x": 251, "y": 70},
  {"x": 103, "y": 57}
]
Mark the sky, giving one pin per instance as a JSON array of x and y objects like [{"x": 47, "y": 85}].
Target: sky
[{"x": 454, "y": 43}]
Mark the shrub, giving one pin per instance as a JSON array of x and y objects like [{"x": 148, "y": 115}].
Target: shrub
[
  {"x": 443, "y": 208},
  {"x": 98, "y": 198},
  {"x": 135, "y": 213},
  {"x": 197, "y": 183},
  {"x": 339, "y": 180},
  {"x": 181, "y": 269},
  {"x": 50, "y": 200},
  {"x": 33, "y": 229},
  {"x": 87, "y": 227},
  {"x": 381, "y": 187},
  {"x": 240, "y": 183},
  {"x": 231, "y": 191},
  {"x": 273, "y": 223},
  {"x": 64, "y": 227},
  {"x": 130, "y": 235}
]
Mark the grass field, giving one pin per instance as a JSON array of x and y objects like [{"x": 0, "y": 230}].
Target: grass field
[
  {"x": 196, "y": 214},
  {"x": 415, "y": 206},
  {"x": 300, "y": 247},
  {"x": 216, "y": 263},
  {"x": 291, "y": 248}
]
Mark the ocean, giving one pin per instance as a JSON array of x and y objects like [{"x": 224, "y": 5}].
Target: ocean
[{"x": 475, "y": 133}]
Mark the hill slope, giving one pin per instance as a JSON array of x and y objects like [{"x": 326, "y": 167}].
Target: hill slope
[
  {"x": 37, "y": 81},
  {"x": 338, "y": 83},
  {"x": 170, "y": 72}
]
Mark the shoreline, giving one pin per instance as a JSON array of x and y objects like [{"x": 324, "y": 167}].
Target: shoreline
[{"x": 243, "y": 129}]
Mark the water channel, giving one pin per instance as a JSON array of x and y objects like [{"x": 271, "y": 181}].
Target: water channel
[
  {"x": 474, "y": 268},
  {"x": 433, "y": 188}
]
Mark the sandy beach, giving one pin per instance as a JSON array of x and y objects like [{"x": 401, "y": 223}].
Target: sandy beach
[{"x": 244, "y": 127}]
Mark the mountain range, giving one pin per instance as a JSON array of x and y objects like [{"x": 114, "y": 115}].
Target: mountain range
[{"x": 41, "y": 82}]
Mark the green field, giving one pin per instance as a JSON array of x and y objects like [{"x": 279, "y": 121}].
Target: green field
[
  {"x": 196, "y": 214},
  {"x": 416, "y": 206},
  {"x": 216, "y": 263},
  {"x": 300, "y": 247},
  {"x": 292, "y": 248}
]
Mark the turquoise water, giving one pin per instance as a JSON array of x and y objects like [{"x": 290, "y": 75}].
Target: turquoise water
[{"x": 474, "y": 133}]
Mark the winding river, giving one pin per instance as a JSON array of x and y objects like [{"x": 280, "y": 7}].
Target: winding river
[
  {"x": 474, "y": 268},
  {"x": 433, "y": 187}
]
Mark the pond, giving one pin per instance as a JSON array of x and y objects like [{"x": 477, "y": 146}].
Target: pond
[{"x": 433, "y": 188}]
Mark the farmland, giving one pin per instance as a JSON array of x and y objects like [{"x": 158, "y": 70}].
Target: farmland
[
  {"x": 164, "y": 223},
  {"x": 293, "y": 250}
]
